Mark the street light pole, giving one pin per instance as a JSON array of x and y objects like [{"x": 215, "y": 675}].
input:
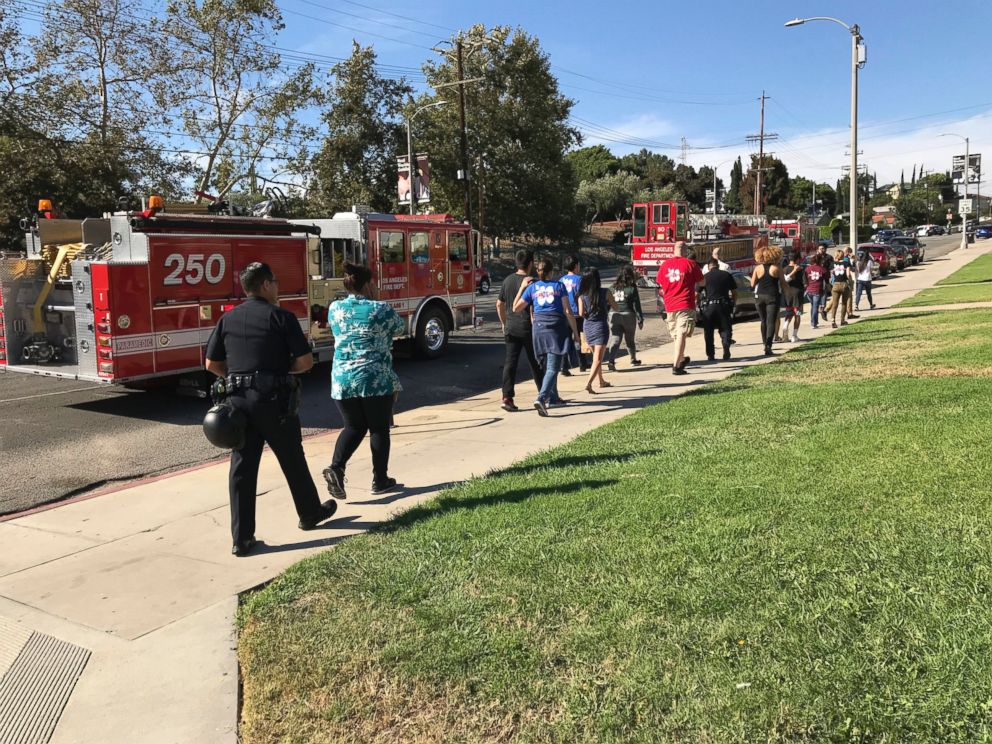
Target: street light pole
[
  {"x": 856, "y": 62},
  {"x": 964, "y": 217}
]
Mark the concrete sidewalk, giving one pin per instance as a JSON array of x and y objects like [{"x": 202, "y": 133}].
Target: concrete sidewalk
[{"x": 128, "y": 599}]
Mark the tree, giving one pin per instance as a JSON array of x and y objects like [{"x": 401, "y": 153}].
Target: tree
[
  {"x": 733, "y": 200},
  {"x": 365, "y": 132},
  {"x": 231, "y": 93},
  {"x": 590, "y": 163},
  {"x": 655, "y": 169},
  {"x": 912, "y": 209},
  {"x": 518, "y": 136},
  {"x": 608, "y": 195},
  {"x": 800, "y": 194},
  {"x": 774, "y": 183},
  {"x": 827, "y": 196}
]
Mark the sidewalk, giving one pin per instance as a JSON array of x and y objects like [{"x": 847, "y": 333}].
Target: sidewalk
[{"x": 116, "y": 612}]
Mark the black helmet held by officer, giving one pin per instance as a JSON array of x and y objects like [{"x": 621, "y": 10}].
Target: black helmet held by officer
[{"x": 257, "y": 349}]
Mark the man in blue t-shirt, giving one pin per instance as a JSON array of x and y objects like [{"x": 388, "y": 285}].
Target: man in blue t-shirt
[{"x": 571, "y": 279}]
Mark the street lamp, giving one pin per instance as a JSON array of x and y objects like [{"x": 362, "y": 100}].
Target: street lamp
[
  {"x": 410, "y": 166},
  {"x": 858, "y": 58},
  {"x": 967, "y": 169}
]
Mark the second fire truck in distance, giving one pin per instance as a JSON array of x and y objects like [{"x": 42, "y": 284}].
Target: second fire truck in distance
[{"x": 131, "y": 298}]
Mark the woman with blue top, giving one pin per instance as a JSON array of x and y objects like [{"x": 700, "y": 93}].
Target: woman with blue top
[
  {"x": 362, "y": 378},
  {"x": 554, "y": 327}
]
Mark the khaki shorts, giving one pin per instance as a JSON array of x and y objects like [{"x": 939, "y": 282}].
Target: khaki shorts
[{"x": 681, "y": 322}]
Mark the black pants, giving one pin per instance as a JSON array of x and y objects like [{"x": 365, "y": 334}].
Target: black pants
[
  {"x": 768, "y": 312},
  {"x": 266, "y": 425},
  {"x": 514, "y": 345},
  {"x": 362, "y": 416},
  {"x": 716, "y": 317}
]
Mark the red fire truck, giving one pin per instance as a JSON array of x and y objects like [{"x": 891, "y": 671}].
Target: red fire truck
[
  {"x": 657, "y": 226},
  {"x": 794, "y": 235},
  {"x": 131, "y": 298}
]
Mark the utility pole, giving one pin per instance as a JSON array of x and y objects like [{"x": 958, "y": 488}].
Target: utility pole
[
  {"x": 464, "y": 132},
  {"x": 760, "y": 139},
  {"x": 685, "y": 152}
]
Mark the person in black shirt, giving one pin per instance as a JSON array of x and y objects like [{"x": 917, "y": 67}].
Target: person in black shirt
[
  {"x": 517, "y": 330},
  {"x": 258, "y": 347},
  {"x": 717, "y": 308}
]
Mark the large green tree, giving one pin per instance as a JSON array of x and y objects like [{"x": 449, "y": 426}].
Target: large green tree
[
  {"x": 655, "y": 169},
  {"x": 609, "y": 195},
  {"x": 232, "y": 93},
  {"x": 590, "y": 163},
  {"x": 774, "y": 184},
  {"x": 518, "y": 136},
  {"x": 364, "y": 133},
  {"x": 733, "y": 199}
]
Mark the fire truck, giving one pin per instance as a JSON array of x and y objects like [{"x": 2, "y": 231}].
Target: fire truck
[
  {"x": 794, "y": 235},
  {"x": 131, "y": 298},
  {"x": 657, "y": 226}
]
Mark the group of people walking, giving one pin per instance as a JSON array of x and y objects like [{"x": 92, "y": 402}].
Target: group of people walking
[{"x": 563, "y": 323}]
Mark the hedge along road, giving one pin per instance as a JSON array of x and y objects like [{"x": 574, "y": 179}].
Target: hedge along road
[{"x": 61, "y": 438}]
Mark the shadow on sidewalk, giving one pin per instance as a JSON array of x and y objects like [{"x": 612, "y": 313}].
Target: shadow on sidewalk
[
  {"x": 400, "y": 494},
  {"x": 401, "y": 429}
]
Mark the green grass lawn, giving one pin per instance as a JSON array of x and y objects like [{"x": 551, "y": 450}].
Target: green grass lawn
[
  {"x": 950, "y": 295},
  {"x": 799, "y": 553},
  {"x": 979, "y": 270}
]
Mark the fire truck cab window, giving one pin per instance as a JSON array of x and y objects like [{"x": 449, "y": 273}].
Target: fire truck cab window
[
  {"x": 457, "y": 247},
  {"x": 391, "y": 247},
  {"x": 640, "y": 222},
  {"x": 419, "y": 247},
  {"x": 333, "y": 253},
  {"x": 662, "y": 214}
]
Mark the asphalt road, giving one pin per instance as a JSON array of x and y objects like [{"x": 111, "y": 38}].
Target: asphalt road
[{"x": 61, "y": 438}]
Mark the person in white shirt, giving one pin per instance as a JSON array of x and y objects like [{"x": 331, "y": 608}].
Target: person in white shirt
[
  {"x": 864, "y": 268},
  {"x": 723, "y": 265}
]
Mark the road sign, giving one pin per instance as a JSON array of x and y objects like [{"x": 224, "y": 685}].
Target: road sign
[{"x": 964, "y": 206}]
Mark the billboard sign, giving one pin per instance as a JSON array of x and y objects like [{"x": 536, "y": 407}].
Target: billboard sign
[
  {"x": 421, "y": 183},
  {"x": 974, "y": 170}
]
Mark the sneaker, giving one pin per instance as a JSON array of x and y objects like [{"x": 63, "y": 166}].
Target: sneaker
[
  {"x": 325, "y": 512},
  {"x": 635, "y": 362},
  {"x": 566, "y": 373},
  {"x": 542, "y": 410},
  {"x": 611, "y": 366},
  {"x": 583, "y": 368},
  {"x": 244, "y": 547},
  {"x": 679, "y": 371},
  {"x": 557, "y": 402},
  {"x": 508, "y": 405},
  {"x": 795, "y": 337},
  {"x": 834, "y": 324},
  {"x": 387, "y": 485},
  {"x": 872, "y": 307},
  {"x": 685, "y": 362},
  {"x": 843, "y": 322},
  {"x": 854, "y": 316},
  {"x": 334, "y": 477}
]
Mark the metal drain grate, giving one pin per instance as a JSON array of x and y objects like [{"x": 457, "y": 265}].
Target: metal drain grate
[
  {"x": 36, "y": 688},
  {"x": 13, "y": 636}
]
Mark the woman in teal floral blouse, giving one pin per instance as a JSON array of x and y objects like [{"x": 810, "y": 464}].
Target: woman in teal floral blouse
[{"x": 362, "y": 378}]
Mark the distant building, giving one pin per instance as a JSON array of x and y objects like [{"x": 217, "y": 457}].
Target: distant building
[{"x": 884, "y": 216}]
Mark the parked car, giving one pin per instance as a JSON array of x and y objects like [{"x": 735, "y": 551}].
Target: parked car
[
  {"x": 901, "y": 254},
  {"x": 482, "y": 281},
  {"x": 914, "y": 249},
  {"x": 879, "y": 254},
  {"x": 885, "y": 235},
  {"x": 983, "y": 232}
]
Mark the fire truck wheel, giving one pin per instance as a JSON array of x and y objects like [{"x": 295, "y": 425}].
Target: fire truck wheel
[{"x": 432, "y": 334}]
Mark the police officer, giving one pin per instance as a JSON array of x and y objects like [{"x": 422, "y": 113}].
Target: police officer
[
  {"x": 716, "y": 309},
  {"x": 258, "y": 347}
]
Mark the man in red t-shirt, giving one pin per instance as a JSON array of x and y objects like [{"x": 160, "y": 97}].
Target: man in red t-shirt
[{"x": 678, "y": 278}]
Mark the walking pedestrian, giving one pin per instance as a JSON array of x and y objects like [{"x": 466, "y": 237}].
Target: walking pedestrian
[
  {"x": 720, "y": 295},
  {"x": 517, "y": 329},
  {"x": 594, "y": 305},
  {"x": 816, "y": 281},
  {"x": 678, "y": 277},
  {"x": 553, "y": 325},
  {"x": 841, "y": 279},
  {"x": 864, "y": 270},
  {"x": 852, "y": 264},
  {"x": 768, "y": 282},
  {"x": 571, "y": 279},
  {"x": 827, "y": 263},
  {"x": 795, "y": 281},
  {"x": 259, "y": 348},
  {"x": 721, "y": 264},
  {"x": 363, "y": 383},
  {"x": 626, "y": 317}
]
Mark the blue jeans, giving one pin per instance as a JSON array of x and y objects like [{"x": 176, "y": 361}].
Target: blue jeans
[
  {"x": 863, "y": 287},
  {"x": 814, "y": 301},
  {"x": 549, "y": 387}
]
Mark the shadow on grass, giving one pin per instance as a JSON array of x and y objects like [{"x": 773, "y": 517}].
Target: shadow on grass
[
  {"x": 574, "y": 461},
  {"x": 444, "y": 504}
]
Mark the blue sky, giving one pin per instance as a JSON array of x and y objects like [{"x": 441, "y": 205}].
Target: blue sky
[{"x": 649, "y": 73}]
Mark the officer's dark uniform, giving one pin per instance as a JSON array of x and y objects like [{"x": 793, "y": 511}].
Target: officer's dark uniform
[
  {"x": 716, "y": 309},
  {"x": 258, "y": 341}
]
